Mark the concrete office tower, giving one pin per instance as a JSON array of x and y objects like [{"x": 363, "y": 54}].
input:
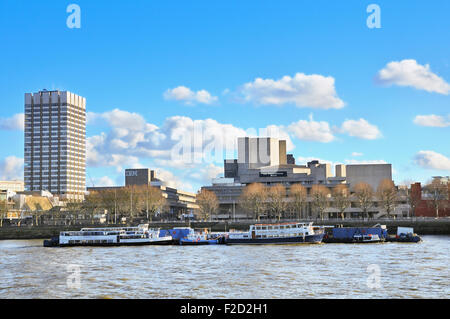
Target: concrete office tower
[
  {"x": 55, "y": 143},
  {"x": 139, "y": 176},
  {"x": 290, "y": 159},
  {"x": 282, "y": 154},
  {"x": 257, "y": 152},
  {"x": 340, "y": 170}
]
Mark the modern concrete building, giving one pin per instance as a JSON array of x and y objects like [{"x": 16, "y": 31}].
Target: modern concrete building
[
  {"x": 55, "y": 143},
  {"x": 264, "y": 160},
  {"x": 371, "y": 174},
  {"x": 14, "y": 186}
]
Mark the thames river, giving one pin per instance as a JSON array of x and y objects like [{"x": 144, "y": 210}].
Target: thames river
[{"x": 389, "y": 270}]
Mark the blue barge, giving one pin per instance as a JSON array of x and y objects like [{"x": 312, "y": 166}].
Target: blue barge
[{"x": 339, "y": 234}]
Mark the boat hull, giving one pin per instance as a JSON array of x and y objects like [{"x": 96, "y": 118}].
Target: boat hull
[
  {"x": 330, "y": 240},
  {"x": 143, "y": 243},
  {"x": 413, "y": 239},
  {"x": 309, "y": 239},
  {"x": 187, "y": 242}
]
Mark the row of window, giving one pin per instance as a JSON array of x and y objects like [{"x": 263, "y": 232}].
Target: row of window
[
  {"x": 55, "y": 125},
  {"x": 46, "y": 111},
  {"x": 54, "y": 106}
]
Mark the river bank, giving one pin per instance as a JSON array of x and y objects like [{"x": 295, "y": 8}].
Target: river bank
[{"x": 421, "y": 227}]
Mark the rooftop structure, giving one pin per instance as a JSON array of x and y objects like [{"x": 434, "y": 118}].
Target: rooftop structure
[{"x": 264, "y": 160}]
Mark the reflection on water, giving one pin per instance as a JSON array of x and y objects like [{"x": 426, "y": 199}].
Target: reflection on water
[{"x": 28, "y": 270}]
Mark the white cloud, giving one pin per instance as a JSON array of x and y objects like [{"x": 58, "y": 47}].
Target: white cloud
[
  {"x": 410, "y": 73},
  {"x": 14, "y": 123},
  {"x": 311, "y": 130},
  {"x": 432, "y": 160},
  {"x": 279, "y": 132},
  {"x": 316, "y": 91},
  {"x": 11, "y": 168},
  {"x": 173, "y": 181},
  {"x": 186, "y": 95},
  {"x": 361, "y": 128},
  {"x": 432, "y": 120},
  {"x": 103, "y": 182},
  {"x": 357, "y": 154}
]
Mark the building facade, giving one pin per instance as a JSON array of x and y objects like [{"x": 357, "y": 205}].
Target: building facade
[
  {"x": 55, "y": 143},
  {"x": 139, "y": 176},
  {"x": 424, "y": 202},
  {"x": 179, "y": 202},
  {"x": 14, "y": 186},
  {"x": 264, "y": 160}
]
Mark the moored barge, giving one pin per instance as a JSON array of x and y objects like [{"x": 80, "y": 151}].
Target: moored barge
[
  {"x": 355, "y": 235},
  {"x": 283, "y": 233}
]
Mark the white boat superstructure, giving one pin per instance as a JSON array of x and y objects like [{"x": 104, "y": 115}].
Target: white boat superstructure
[
  {"x": 277, "y": 233},
  {"x": 110, "y": 236}
]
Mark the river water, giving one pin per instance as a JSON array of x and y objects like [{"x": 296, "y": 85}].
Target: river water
[{"x": 388, "y": 270}]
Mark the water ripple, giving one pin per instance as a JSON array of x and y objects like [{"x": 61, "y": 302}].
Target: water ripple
[{"x": 313, "y": 271}]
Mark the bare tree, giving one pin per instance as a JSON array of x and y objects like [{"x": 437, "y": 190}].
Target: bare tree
[
  {"x": 387, "y": 194},
  {"x": 253, "y": 199},
  {"x": 319, "y": 197},
  {"x": 438, "y": 192},
  {"x": 276, "y": 199},
  {"x": 92, "y": 203},
  {"x": 364, "y": 196},
  {"x": 341, "y": 199},
  {"x": 208, "y": 203},
  {"x": 154, "y": 200},
  {"x": 297, "y": 199}
]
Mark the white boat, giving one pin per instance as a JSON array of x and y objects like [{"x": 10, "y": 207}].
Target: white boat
[
  {"x": 113, "y": 236},
  {"x": 284, "y": 233}
]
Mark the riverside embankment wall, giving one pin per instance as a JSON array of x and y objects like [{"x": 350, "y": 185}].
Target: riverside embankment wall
[{"x": 421, "y": 227}]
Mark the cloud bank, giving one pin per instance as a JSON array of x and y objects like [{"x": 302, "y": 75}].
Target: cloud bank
[{"x": 410, "y": 73}]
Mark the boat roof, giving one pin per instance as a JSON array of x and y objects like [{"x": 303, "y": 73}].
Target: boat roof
[
  {"x": 279, "y": 224},
  {"x": 114, "y": 228}
]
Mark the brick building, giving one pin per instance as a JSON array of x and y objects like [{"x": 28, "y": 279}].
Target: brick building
[{"x": 425, "y": 207}]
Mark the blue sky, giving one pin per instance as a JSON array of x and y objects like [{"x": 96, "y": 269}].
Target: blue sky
[{"x": 129, "y": 56}]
